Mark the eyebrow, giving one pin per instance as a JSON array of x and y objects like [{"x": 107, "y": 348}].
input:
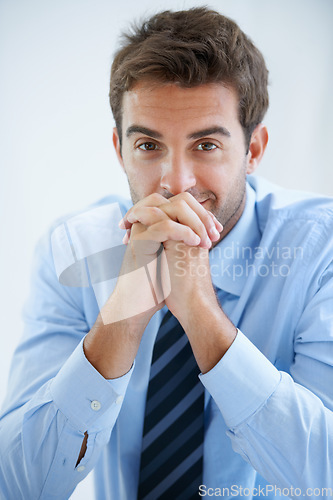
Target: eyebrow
[
  {"x": 209, "y": 131},
  {"x": 138, "y": 129}
]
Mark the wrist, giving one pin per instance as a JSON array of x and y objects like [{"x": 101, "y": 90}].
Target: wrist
[
  {"x": 111, "y": 348},
  {"x": 209, "y": 330},
  {"x": 198, "y": 304}
]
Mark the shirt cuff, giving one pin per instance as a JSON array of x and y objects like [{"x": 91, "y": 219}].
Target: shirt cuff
[
  {"x": 89, "y": 401},
  {"x": 242, "y": 381}
]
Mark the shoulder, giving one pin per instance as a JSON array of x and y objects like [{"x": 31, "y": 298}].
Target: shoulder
[
  {"x": 109, "y": 206},
  {"x": 276, "y": 203},
  {"x": 297, "y": 221},
  {"x": 83, "y": 233}
]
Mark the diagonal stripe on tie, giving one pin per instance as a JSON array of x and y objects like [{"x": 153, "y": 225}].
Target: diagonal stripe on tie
[
  {"x": 166, "y": 452},
  {"x": 175, "y": 421},
  {"x": 172, "y": 444},
  {"x": 181, "y": 476},
  {"x": 163, "y": 361},
  {"x": 173, "y": 380}
]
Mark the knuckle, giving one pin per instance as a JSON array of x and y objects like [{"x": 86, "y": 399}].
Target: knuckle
[
  {"x": 186, "y": 197},
  {"x": 189, "y": 232},
  {"x": 150, "y": 229},
  {"x": 136, "y": 228},
  {"x": 201, "y": 229},
  {"x": 182, "y": 203},
  {"x": 156, "y": 198},
  {"x": 155, "y": 211},
  {"x": 206, "y": 218},
  {"x": 209, "y": 222},
  {"x": 168, "y": 225},
  {"x": 128, "y": 213}
]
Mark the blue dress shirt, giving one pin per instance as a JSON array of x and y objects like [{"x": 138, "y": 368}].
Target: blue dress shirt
[{"x": 268, "y": 402}]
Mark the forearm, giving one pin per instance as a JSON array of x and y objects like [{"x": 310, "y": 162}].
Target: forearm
[
  {"x": 111, "y": 348},
  {"x": 209, "y": 330}
]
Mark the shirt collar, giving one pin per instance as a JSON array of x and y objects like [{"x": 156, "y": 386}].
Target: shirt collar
[{"x": 229, "y": 258}]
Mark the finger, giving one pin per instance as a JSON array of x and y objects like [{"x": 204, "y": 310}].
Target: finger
[
  {"x": 156, "y": 200},
  {"x": 182, "y": 213},
  {"x": 123, "y": 224},
  {"x": 142, "y": 245},
  {"x": 146, "y": 215},
  {"x": 170, "y": 230},
  {"x": 126, "y": 237},
  {"x": 217, "y": 223},
  {"x": 202, "y": 213},
  {"x": 179, "y": 212},
  {"x": 153, "y": 200}
]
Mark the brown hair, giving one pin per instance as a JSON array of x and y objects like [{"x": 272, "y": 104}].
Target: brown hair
[{"x": 192, "y": 47}]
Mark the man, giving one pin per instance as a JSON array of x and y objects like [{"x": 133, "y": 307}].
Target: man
[{"x": 241, "y": 269}]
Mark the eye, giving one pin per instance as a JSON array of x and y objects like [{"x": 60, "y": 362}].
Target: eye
[
  {"x": 206, "y": 146},
  {"x": 148, "y": 146}
]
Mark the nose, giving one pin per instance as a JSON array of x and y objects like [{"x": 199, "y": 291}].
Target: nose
[{"x": 177, "y": 175}]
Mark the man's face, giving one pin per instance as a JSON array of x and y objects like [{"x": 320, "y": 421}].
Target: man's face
[{"x": 178, "y": 139}]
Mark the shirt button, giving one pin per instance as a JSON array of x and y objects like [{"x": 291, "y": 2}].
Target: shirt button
[
  {"x": 119, "y": 400},
  {"x": 80, "y": 468},
  {"x": 95, "y": 405}
]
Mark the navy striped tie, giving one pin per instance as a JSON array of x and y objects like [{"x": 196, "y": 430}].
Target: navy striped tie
[{"x": 172, "y": 445}]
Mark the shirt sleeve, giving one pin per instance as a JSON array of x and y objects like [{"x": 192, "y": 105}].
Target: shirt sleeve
[
  {"x": 55, "y": 395},
  {"x": 282, "y": 424}
]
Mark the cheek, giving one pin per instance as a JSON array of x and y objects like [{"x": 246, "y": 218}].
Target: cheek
[
  {"x": 226, "y": 182},
  {"x": 212, "y": 179},
  {"x": 142, "y": 181}
]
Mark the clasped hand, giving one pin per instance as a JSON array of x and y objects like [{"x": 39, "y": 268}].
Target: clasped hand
[{"x": 186, "y": 230}]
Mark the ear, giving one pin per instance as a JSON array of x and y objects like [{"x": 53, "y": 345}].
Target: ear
[
  {"x": 116, "y": 143},
  {"x": 257, "y": 147}
]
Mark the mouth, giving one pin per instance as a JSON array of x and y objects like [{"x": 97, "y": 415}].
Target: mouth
[{"x": 204, "y": 201}]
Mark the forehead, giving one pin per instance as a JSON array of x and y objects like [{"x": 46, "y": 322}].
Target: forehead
[{"x": 170, "y": 102}]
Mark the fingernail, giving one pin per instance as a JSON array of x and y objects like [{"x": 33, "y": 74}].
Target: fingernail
[
  {"x": 121, "y": 224},
  {"x": 206, "y": 242},
  {"x": 196, "y": 240},
  {"x": 217, "y": 221},
  {"x": 214, "y": 231},
  {"x": 126, "y": 238},
  {"x": 131, "y": 218}
]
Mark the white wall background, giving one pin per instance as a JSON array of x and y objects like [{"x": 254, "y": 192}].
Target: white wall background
[{"x": 55, "y": 124}]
